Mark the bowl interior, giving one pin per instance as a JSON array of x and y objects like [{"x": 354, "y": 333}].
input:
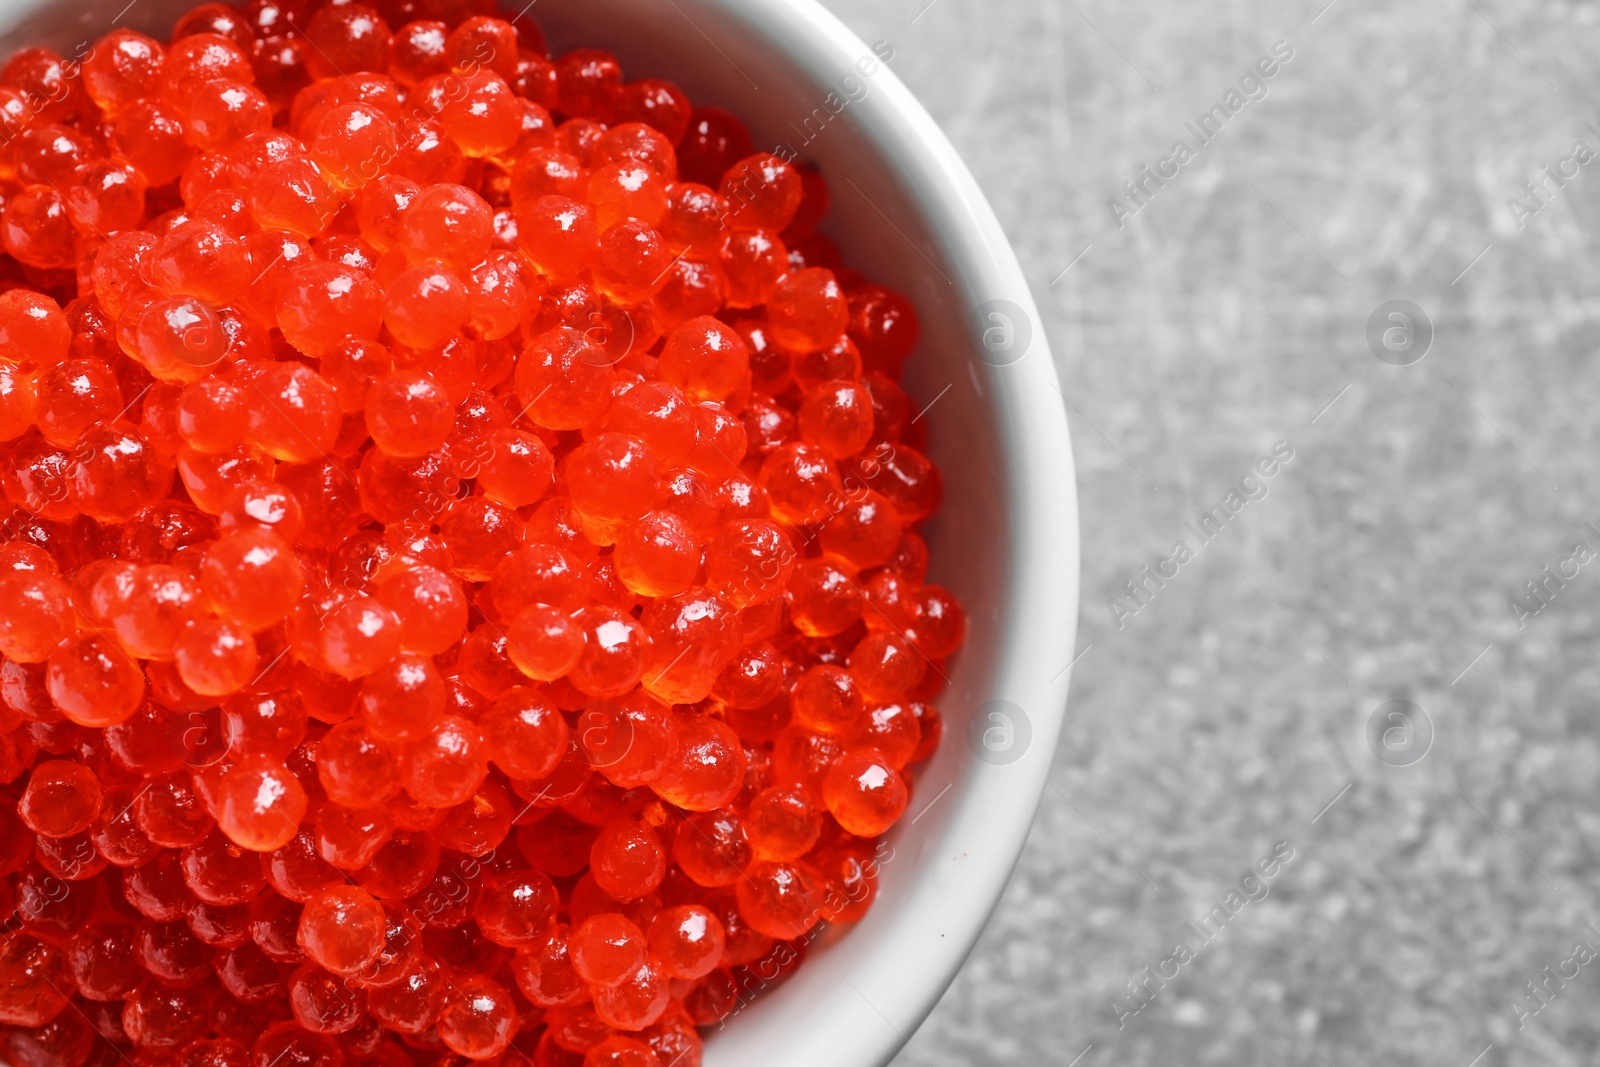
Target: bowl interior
[{"x": 906, "y": 214}]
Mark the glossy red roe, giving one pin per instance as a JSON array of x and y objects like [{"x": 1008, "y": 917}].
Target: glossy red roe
[
  {"x": 259, "y": 804},
  {"x": 343, "y": 929},
  {"x": 465, "y": 598}
]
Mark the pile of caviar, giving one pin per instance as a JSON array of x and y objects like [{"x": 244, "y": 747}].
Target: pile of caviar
[{"x": 460, "y": 595}]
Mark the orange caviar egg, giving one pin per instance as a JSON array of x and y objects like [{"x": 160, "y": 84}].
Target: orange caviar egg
[
  {"x": 251, "y": 576},
  {"x": 38, "y": 616},
  {"x": 688, "y": 940},
  {"x": 763, "y": 191},
  {"x": 216, "y": 657},
  {"x": 324, "y": 304},
  {"x": 359, "y": 637},
  {"x": 445, "y": 765},
  {"x": 563, "y": 379},
  {"x": 448, "y": 223},
  {"x": 706, "y": 359},
  {"x": 544, "y": 642},
  {"x": 121, "y": 70},
  {"x": 33, "y": 331},
  {"x": 864, "y": 532},
  {"x": 606, "y": 948},
  {"x": 428, "y": 606},
  {"x": 408, "y": 414},
  {"x": 342, "y": 929},
  {"x": 62, "y": 798},
  {"x": 477, "y": 111},
  {"x": 352, "y": 143},
  {"x": 347, "y": 38},
  {"x": 478, "y": 1018},
  {"x": 93, "y": 682},
  {"x": 613, "y": 477},
  {"x": 779, "y": 899},
  {"x": 259, "y": 804},
  {"x": 864, "y": 792}
]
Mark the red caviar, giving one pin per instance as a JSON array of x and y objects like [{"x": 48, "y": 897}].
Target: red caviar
[{"x": 461, "y": 595}]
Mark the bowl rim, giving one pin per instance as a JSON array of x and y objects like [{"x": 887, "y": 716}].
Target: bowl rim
[
  {"x": 935, "y": 930},
  {"x": 919, "y": 949}
]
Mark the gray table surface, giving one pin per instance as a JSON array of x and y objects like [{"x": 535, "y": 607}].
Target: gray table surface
[{"x": 1228, "y": 314}]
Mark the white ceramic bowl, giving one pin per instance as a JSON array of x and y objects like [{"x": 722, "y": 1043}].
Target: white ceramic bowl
[{"x": 908, "y": 214}]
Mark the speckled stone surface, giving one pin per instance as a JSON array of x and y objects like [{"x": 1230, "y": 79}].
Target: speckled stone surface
[{"x": 1230, "y": 712}]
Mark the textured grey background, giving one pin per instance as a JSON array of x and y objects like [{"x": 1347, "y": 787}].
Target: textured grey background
[{"x": 1230, "y": 711}]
